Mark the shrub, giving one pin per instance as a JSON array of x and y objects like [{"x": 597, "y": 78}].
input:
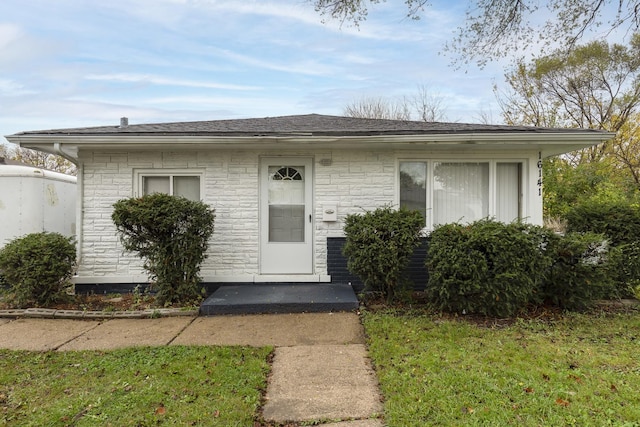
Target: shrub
[
  {"x": 579, "y": 274},
  {"x": 624, "y": 270},
  {"x": 37, "y": 268},
  {"x": 487, "y": 267},
  {"x": 620, "y": 223},
  {"x": 379, "y": 245},
  {"x": 171, "y": 235}
]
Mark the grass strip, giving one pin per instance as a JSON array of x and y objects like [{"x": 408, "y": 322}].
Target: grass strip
[
  {"x": 578, "y": 370},
  {"x": 143, "y": 386}
]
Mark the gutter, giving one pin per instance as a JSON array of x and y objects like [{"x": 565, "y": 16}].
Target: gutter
[
  {"x": 57, "y": 148},
  {"x": 498, "y": 138}
]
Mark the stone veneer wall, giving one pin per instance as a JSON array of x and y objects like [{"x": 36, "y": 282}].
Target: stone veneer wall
[{"x": 352, "y": 180}]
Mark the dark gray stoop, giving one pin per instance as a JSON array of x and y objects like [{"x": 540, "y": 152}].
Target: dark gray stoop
[{"x": 280, "y": 298}]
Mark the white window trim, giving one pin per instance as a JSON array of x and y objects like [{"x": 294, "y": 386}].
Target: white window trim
[
  {"x": 139, "y": 174},
  {"x": 525, "y": 184}
]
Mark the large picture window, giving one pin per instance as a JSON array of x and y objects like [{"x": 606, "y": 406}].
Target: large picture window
[
  {"x": 187, "y": 184},
  {"x": 446, "y": 192}
]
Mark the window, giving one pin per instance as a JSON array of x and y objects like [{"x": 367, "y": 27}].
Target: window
[
  {"x": 446, "y": 192},
  {"x": 286, "y": 204},
  {"x": 177, "y": 183},
  {"x": 508, "y": 191}
]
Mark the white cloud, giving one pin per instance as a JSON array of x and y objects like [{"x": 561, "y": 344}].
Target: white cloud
[
  {"x": 10, "y": 87},
  {"x": 8, "y": 34},
  {"x": 165, "y": 81}
]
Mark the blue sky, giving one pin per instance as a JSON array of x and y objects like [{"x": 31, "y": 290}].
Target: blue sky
[{"x": 71, "y": 63}]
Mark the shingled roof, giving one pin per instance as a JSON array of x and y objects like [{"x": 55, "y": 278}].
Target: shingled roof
[{"x": 298, "y": 125}]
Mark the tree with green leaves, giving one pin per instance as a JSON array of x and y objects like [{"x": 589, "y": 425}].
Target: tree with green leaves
[{"x": 596, "y": 86}]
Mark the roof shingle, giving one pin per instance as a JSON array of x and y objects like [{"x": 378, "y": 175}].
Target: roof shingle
[{"x": 299, "y": 125}]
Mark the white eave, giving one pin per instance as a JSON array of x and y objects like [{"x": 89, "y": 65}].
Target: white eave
[{"x": 548, "y": 143}]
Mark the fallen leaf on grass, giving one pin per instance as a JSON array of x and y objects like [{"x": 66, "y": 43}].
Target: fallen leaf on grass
[
  {"x": 161, "y": 410},
  {"x": 562, "y": 402},
  {"x": 614, "y": 389},
  {"x": 467, "y": 410},
  {"x": 576, "y": 378},
  {"x": 528, "y": 390}
]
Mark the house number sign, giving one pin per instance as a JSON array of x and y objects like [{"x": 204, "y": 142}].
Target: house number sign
[{"x": 539, "y": 173}]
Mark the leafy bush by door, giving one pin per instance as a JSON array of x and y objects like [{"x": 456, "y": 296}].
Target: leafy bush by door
[
  {"x": 379, "y": 245},
  {"x": 171, "y": 235}
]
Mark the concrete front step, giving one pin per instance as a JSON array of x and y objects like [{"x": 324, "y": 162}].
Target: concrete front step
[{"x": 280, "y": 298}]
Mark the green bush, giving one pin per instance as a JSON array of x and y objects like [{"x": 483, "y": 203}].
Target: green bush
[
  {"x": 487, "y": 267},
  {"x": 379, "y": 245},
  {"x": 624, "y": 270},
  {"x": 580, "y": 271},
  {"x": 171, "y": 235},
  {"x": 37, "y": 268},
  {"x": 620, "y": 223}
]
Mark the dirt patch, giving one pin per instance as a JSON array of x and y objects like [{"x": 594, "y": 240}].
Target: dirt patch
[{"x": 96, "y": 302}]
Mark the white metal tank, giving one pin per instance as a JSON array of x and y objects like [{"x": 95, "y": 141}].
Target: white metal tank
[{"x": 33, "y": 200}]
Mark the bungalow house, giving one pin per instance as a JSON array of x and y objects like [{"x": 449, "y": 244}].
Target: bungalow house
[{"x": 282, "y": 186}]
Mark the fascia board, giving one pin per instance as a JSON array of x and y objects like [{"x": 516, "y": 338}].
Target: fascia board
[{"x": 551, "y": 141}]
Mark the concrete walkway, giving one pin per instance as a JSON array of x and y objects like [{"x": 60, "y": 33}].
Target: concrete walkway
[{"x": 320, "y": 371}]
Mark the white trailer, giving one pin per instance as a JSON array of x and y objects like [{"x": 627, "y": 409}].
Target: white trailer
[{"x": 33, "y": 200}]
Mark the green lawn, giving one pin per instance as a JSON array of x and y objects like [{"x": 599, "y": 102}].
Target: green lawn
[
  {"x": 580, "y": 370},
  {"x": 173, "y": 385}
]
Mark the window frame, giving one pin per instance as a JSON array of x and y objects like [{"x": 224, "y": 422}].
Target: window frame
[
  {"x": 140, "y": 174},
  {"x": 523, "y": 183}
]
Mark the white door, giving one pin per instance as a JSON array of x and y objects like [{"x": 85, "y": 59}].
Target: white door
[{"x": 286, "y": 228}]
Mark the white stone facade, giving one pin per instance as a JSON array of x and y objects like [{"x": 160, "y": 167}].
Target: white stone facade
[{"x": 352, "y": 180}]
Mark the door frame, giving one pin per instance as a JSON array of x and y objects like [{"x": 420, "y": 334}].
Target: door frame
[{"x": 303, "y": 251}]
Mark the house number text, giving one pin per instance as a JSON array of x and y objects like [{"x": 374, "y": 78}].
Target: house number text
[{"x": 539, "y": 173}]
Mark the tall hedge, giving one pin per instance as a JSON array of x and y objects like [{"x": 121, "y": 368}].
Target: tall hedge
[
  {"x": 581, "y": 271},
  {"x": 620, "y": 223},
  {"x": 379, "y": 245},
  {"x": 171, "y": 234}
]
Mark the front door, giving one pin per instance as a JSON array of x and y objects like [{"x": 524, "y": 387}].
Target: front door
[{"x": 286, "y": 228}]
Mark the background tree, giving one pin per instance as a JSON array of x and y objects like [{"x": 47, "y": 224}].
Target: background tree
[
  {"x": 38, "y": 159},
  {"x": 499, "y": 28},
  {"x": 596, "y": 86},
  {"x": 378, "y": 108},
  {"x": 422, "y": 105}
]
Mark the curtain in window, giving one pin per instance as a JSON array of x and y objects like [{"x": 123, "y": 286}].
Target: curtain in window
[
  {"x": 187, "y": 187},
  {"x": 155, "y": 184},
  {"x": 460, "y": 192},
  {"x": 508, "y": 189}
]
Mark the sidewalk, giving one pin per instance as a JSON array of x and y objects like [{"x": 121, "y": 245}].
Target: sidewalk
[{"x": 320, "y": 369}]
